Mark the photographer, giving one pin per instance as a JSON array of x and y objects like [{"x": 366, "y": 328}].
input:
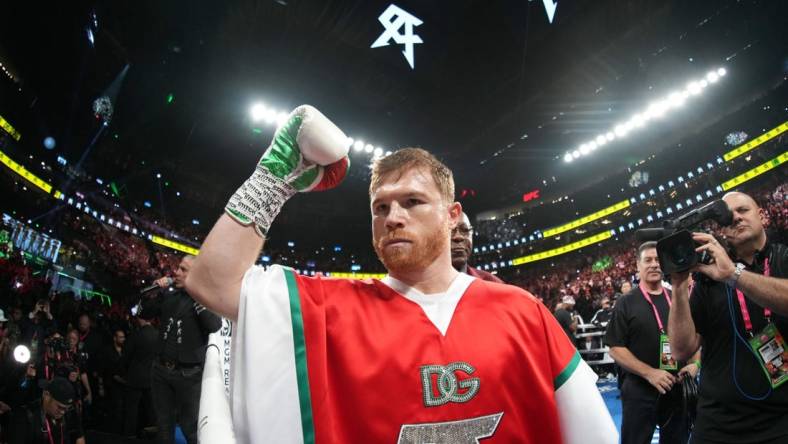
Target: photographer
[
  {"x": 37, "y": 326},
  {"x": 76, "y": 361},
  {"x": 737, "y": 311}
]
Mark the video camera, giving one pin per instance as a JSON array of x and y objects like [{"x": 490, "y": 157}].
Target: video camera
[
  {"x": 58, "y": 344},
  {"x": 675, "y": 247}
]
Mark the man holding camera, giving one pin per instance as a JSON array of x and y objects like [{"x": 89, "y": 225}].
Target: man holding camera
[
  {"x": 738, "y": 313},
  {"x": 637, "y": 335}
]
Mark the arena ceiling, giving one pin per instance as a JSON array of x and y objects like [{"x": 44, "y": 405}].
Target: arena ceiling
[{"x": 499, "y": 90}]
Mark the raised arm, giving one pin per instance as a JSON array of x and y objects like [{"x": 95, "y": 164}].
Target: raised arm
[
  {"x": 769, "y": 292},
  {"x": 215, "y": 278},
  {"x": 684, "y": 339},
  {"x": 308, "y": 153}
]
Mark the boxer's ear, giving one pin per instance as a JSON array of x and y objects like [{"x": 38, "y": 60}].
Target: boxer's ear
[{"x": 455, "y": 214}]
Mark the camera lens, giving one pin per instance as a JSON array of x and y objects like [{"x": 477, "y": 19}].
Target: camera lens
[{"x": 681, "y": 254}]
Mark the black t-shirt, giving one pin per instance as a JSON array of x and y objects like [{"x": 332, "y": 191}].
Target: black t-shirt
[
  {"x": 635, "y": 327},
  {"x": 723, "y": 412},
  {"x": 564, "y": 318},
  {"x": 28, "y": 427}
]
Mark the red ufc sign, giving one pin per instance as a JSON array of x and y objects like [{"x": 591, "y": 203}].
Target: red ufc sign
[{"x": 531, "y": 195}]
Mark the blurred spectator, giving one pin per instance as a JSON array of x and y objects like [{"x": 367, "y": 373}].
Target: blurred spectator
[
  {"x": 602, "y": 316},
  {"x": 141, "y": 349},
  {"x": 50, "y": 419},
  {"x": 111, "y": 382},
  {"x": 565, "y": 316}
]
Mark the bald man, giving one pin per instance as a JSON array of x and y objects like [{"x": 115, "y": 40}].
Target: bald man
[
  {"x": 739, "y": 313},
  {"x": 461, "y": 247}
]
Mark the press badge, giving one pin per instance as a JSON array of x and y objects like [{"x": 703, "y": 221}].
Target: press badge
[
  {"x": 666, "y": 361},
  {"x": 769, "y": 347}
]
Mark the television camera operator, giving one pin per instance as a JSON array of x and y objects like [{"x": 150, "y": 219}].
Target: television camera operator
[{"x": 738, "y": 312}]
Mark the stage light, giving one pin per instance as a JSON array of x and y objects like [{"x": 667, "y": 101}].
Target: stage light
[
  {"x": 621, "y": 130},
  {"x": 638, "y": 121},
  {"x": 269, "y": 116},
  {"x": 712, "y": 77},
  {"x": 49, "y": 143},
  {"x": 576, "y": 154},
  {"x": 610, "y": 136},
  {"x": 676, "y": 99},
  {"x": 600, "y": 140},
  {"x": 369, "y": 148},
  {"x": 350, "y": 141},
  {"x": 584, "y": 149},
  {"x": 721, "y": 72},
  {"x": 258, "y": 112},
  {"x": 592, "y": 146},
  {"x": 158, "y": 175},
  {"x": 703, "y": 83},
  {"x": 388, "y": 153},
  {"x": 281, "y": 119},
  {"x": 358, "y": 146},
  {"x": 694, "y": 88},
  {"x": 568, "y": 157},
  {"x": 656, "y": 109},
  {"x": 378, "y": 152}
]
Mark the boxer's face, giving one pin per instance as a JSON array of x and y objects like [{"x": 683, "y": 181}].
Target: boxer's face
[{"x": 411, "y": 223}]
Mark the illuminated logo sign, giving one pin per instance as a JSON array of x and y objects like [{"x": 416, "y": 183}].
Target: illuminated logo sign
[
  {"x": 531, "y": 195},
  {"x": 393, "y": 19},
  {"x": 549, "y": 8}
]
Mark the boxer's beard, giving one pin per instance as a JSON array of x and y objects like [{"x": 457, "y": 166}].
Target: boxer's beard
[{"x": 417, "y": 255}]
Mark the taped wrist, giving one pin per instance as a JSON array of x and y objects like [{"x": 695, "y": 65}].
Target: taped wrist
[{"x": 259, "y": 200}]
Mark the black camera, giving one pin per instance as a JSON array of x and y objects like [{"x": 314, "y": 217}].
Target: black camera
[
  {"x": 57, "y": 343},
  {"x": 675, "y": 247}
]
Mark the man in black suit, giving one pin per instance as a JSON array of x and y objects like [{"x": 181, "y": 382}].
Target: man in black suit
[
  {"x": 140, "y": 351},
  {"x": 177, "y": 371}
]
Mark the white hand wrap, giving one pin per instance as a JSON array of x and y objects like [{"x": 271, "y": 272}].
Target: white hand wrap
[{"x": 259, "y": 200}]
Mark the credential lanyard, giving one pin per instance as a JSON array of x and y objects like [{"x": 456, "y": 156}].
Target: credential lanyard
[
  {"x": 745, "y": 314},
  {"x": 654, "y": 307},
  {"x": 49, "y": 431}
]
